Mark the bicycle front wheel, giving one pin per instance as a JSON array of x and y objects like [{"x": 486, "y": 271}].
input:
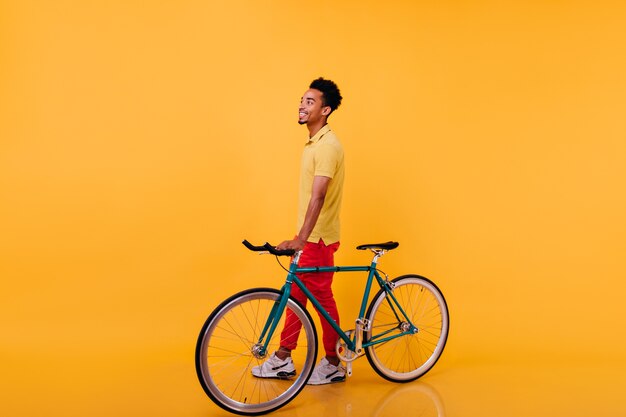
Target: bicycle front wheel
[
  {"x": 407, "y": 357},
  {"x": 228, "y": 347}
]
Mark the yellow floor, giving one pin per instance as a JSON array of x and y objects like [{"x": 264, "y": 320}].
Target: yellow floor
[{"x": 162, "y": 383}]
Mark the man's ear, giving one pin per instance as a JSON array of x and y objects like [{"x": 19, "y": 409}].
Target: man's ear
[{"x": 326, "y": 110}]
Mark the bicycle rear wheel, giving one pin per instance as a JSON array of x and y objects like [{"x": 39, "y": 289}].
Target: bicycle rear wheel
[
  {"x": 408, "y": 357},
  {"x": 226, "y": 353}
]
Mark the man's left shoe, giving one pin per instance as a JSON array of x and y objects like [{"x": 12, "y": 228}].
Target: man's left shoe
[{"x": 274, "y": 367}]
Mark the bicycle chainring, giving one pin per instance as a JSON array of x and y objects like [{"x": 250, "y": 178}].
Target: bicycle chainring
[{"x": 343, "y": 353}]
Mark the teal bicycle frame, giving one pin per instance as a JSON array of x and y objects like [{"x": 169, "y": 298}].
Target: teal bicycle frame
[{"x": 361, "y": 325}]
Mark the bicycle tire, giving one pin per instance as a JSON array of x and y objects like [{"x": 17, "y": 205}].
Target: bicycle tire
[
  {"x": 408, "y": 357},
  {"x": 224, "y": 356}
]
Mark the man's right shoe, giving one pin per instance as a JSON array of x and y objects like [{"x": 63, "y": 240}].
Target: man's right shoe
[
  {"x": 325, "y": 373},
  {"x": 274, "y": 367}
]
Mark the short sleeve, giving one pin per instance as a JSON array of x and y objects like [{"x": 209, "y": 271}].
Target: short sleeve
[{"x": 327, "y": 159}]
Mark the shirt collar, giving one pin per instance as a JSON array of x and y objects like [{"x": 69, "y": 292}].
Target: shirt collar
[{"x": 325, "y": 129}]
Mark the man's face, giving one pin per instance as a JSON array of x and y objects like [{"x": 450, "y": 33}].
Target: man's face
[{"x": 311, "y": 107}]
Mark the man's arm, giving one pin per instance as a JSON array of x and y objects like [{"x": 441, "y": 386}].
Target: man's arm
[{"x": 318, "y": 195}]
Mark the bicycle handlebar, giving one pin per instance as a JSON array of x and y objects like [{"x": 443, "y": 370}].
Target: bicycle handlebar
[{"x": 269, "y": 248}]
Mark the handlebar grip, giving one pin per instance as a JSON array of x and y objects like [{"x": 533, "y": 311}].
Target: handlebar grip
[
  {"x": 278, "y": 252},
  {"x": 268, "y": 248},
  {"x": 252, "y": 247}
]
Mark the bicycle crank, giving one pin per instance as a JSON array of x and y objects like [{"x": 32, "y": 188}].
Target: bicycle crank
[{"x": 345, "y": 354}]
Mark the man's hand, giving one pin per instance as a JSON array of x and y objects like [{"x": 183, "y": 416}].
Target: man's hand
[{"x": 296, "y": 244}]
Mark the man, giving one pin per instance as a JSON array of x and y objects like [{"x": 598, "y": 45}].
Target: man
[{"x": 321, "y": 187}]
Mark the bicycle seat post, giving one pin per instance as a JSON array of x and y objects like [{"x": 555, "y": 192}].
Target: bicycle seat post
[{"x": 378, "y": 253}]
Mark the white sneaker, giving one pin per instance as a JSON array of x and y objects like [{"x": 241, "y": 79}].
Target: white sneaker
[
  {"x": 325, "y": 373},
  {"x": 274, "y": 367}
]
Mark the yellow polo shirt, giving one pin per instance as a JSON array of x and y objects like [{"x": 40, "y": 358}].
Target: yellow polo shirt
[{"x": 322, "y": 156}]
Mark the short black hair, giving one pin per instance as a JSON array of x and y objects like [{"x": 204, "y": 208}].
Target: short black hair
[{"x": 331, "y": 95}]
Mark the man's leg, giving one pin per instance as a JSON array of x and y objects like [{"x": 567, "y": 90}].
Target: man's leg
[
  {"x": 320, "y": 285},
  {"x": 291, "y": 330},
  {"x": 329, "y": 368}
]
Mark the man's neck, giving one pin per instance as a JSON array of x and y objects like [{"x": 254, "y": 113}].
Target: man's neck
[{"x": 314, "y": 128}]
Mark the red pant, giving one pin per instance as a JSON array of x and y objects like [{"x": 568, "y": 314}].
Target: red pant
[{"x": 319, "y": 283}]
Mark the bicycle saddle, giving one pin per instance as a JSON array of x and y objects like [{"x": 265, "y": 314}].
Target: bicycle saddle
[{"x": 384, "y": 246}]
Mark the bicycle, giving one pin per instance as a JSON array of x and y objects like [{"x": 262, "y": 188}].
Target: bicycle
[{"x": 402, "y": 334}]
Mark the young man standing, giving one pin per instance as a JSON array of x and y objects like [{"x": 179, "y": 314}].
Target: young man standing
[{"x": 321, "y": 189}]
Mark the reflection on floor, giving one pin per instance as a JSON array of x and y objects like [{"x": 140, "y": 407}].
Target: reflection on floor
[{"x": 482, "y": 389}]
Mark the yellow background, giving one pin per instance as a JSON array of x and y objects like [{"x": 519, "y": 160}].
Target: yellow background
[{"x": 140, "y": 142}]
